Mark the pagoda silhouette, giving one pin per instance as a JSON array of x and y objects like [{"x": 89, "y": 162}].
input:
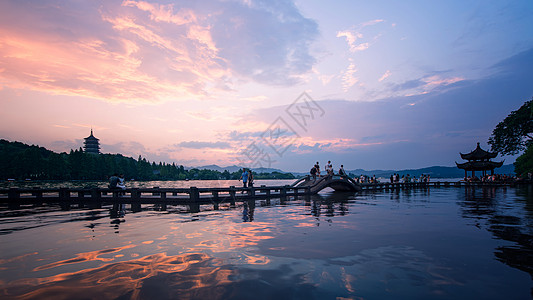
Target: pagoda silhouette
[
  {"x": 479, "y": 160},
  {"x": 91, "y": 144}
]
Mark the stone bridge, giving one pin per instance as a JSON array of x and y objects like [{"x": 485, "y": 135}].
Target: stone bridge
[{"x": 336, "y": 182}]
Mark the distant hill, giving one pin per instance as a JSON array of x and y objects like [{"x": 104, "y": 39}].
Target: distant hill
[{"x": 235, "y": 168}]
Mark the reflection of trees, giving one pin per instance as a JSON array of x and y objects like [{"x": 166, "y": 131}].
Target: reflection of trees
[{"x": 508, "y": 221}]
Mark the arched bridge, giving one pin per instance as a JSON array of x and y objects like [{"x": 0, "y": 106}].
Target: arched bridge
[{"x": 336, "y": 182}]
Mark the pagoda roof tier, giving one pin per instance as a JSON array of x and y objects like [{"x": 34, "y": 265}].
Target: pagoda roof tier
[
  {"x": 91, "y": 137},
  {"x": 479, "y": 154},
  {"x": 479, "y": 165}
]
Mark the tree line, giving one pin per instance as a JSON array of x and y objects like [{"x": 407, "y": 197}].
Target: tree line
[
  {"x": 20, "y": 161},
  {"x": 514, "y": 135}
]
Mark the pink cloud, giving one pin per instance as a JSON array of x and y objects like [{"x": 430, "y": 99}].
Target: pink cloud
[
  {"x": 86, "y": 67},
  {"x": 313, "y": 145},
  {"x": 431, "y": 83},
  {"x": 353, "y": 35},
  {"x": 141, "y": 51},
  {"x": 349, "y": 79},
  {"x": 385, "y": 75},
  {"x": 436, "y": 80},
  {"x": 372, "y": 22},
  {"x": 164, "y": 13},
  {"x": 350, "y": 36}
]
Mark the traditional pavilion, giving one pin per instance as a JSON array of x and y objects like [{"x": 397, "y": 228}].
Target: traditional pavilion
[
  {"x": 479, "y": 160},
  {"x": 91, "y": 144}
]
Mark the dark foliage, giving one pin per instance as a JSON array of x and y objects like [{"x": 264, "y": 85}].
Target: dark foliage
[
  {"x": 524, "y": 163},
  {"x": 514, "y": 133}
]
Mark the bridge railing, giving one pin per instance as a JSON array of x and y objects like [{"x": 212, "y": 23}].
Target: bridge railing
[
  {"x": 341, "y": 177},
  {"x": 191, "y": 194},
  {"x": 306, "y": 178}
]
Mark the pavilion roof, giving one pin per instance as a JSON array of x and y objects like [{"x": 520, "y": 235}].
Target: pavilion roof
[
  {"x": 479, "y": 165},
  {"x": 478, "y": 154}
]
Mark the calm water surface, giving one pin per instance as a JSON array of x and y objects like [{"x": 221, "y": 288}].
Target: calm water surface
[{"x": 442, "y": 243}]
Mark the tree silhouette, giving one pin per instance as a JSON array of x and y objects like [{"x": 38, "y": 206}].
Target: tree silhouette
[
  {"x": 514, "y": 133},
  {"x": 20, "y": 161}
]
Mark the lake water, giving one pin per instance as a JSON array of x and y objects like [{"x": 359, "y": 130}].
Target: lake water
[{"x": 438, "y": 243}]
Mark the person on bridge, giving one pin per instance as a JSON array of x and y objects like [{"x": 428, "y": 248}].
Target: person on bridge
[
  {"x": 244, "y": 178},
  {"x": 121, "y": 184},
  {"x": 113, "y": 181},
  {"x": 329, "y": 168},
  {"x": 250, "y": 179},
  {"x": 341, "y": 171},
  {"x": 313, "y": 173},
  {"x": 317, "y": 167}
]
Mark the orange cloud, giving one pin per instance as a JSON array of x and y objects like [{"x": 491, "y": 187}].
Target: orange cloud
[
  {"x": 146, "y": 52},
  {"x": 82, "y": 68},
  {"x": 135, "y": 60}
]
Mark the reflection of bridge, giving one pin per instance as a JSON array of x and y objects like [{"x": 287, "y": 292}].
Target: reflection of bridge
[{"x": 338, "y": 183}]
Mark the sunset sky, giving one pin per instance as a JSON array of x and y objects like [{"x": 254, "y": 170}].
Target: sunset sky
[{"x": 281, "y": 84}]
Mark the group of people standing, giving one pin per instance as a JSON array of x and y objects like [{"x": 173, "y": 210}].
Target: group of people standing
[
  {"x": 494, "y": 178},
  {"x": 315, "y": 170},
  {"x": 117, "y": 182},
  {"x": 395, "y": 178},
  {"x": 366, "y": 179},
  {"x": 247, "y": 178}
]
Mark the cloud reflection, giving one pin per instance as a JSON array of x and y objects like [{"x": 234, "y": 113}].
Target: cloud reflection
[
  {"x": 85, "y": 257},
  {"x": 139, "y": 278}
]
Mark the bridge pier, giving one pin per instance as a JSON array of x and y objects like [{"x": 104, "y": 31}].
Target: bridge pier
[
  {"x": 283, "y": 191},
  {"x": 135, "y": 195},
  {"x": 64, "y": 194},
  {"x": 194, "y": 195},
  {"x": 232, "y": 195},
  {"x": 13, "y": 196}
]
